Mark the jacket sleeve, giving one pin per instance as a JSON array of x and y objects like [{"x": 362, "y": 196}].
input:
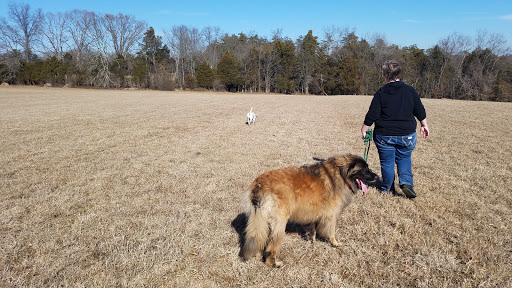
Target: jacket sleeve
[
  {"x": 418, "y": 110},
  {"x": 373, "y": 112}
]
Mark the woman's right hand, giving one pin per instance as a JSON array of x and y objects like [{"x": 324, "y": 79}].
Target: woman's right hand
[{"x": 425, "y": 132}]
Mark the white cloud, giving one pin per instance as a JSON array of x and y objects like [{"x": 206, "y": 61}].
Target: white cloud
[
  {"x": 506, "y": 17},
  {"x": 164, "y": 12}
]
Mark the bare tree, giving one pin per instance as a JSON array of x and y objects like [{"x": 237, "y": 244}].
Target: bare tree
[
  {"x": 195, "y": 49},
  {"x": 483, "y": 65},
  {"x": 277, "y": 34},
  {"x": 55, "y": 34},
  {"x": 334, "y": 40},
  {"x": 81, "y": 30},
  {"x": 268, "y": 65},
  {"x": 23, "y": 29},
  {"x": 456, "y": 44},
  {"x": 12, "y": 60},
  {"x": 177, "y": 40},
  {"x": 456, "y": 48},
  {"x": 471, "y": 67},
  {"x": 101, "y": 60},
  {"x": 211, "y": 37},
  {"x": 6, "y": 44},
  {"x": 185, "y": 46},
  {"x": 493, "y": 41},
  {"x": 125, "y": 31}
]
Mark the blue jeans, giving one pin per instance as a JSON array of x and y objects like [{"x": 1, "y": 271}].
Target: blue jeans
[{"x": 395, "y": 149}]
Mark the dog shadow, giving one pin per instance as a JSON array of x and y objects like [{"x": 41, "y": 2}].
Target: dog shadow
[{"x": 240, "y": 223}]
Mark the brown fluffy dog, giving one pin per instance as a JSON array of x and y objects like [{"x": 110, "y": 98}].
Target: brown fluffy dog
[{"x": 311, "y": 195}]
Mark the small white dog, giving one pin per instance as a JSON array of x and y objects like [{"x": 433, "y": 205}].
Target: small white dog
[{"x": 251, "y": 117}]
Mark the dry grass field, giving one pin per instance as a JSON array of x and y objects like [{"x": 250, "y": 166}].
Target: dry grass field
[{"x": 110, "y": 188}]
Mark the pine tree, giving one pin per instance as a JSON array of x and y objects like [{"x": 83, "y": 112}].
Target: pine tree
[
  {"x": 205, "y": 76},
  {"x": 150, "y": 48},
  {"x": 229, "y": 72},
  {"x": 286, "y": 63},
  {"x": 309, "y": 58},
  {"x": 155, "y": 57},
  {"x": 350, "y": 77}
]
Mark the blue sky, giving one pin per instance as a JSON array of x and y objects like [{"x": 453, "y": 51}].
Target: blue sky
[{"x": 404, "y": 23}]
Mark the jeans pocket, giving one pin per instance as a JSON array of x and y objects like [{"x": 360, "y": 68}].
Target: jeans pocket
[
  {"x": 382, "y": 139},
  {"x": 409, "y": 140}
]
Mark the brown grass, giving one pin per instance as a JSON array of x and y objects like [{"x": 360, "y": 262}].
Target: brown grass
[{"x": 143, "y": 188}]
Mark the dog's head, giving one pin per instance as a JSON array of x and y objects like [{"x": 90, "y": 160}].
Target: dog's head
[{"x": 356, "y": 173}]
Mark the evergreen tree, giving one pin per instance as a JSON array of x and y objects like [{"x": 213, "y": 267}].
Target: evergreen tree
[
  {"x": 150, "y": 48},
  {"x": 414, "y": 67},
  {"x": 286, "y": 62},
  {"x": 350, "y": 76},
  {"x": 309, "y": 59},
  {"x": 504, "y": 83},
  {"x": 229, "y": 72},
  {"x": 120, "y": 69},
  {"x": 50, "y": 71},
  {"x": 140, "y": 72},
  {"x": 435, "y": 62},
  {"x": 205, "y": 76},
  {"x": 156, "y": 57},
  {"x": 332, "y": 79}
]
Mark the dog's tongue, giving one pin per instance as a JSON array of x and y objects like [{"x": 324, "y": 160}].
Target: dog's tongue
[{"x": 363, "y": 186}]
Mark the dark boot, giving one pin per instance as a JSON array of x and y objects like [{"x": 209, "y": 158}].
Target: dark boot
[{"x": 408, "y": 190}]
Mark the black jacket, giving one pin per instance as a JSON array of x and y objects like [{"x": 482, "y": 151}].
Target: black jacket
[{"x": 393, "y": 109}]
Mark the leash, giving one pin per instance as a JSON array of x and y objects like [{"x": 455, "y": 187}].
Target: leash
[{"x": 367, "y": 139}]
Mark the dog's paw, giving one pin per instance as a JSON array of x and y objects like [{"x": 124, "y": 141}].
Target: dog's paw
[
  {"x": 308, "y": 236},
  {"x": 272, "y": 262},
  {"x": 278, "y": 264},
  {"x": 334, "y": 243}
]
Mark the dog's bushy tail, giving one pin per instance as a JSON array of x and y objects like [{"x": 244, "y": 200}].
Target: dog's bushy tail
[{"x": 258, "y": 226}]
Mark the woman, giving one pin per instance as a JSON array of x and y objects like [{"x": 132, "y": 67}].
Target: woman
[{"x": 393, "y": 109}]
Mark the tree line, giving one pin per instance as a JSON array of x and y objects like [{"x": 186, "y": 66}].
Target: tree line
[{"x": 83, "y": 48}]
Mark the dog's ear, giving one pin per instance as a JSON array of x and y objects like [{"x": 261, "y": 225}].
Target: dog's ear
[
  {"x": 345, "y": 172},
  {"x": 318, "y": 159},
  {"x": 341, "y": 164},
  {"x": 341, "y": 171},
  {"x": 356, "y": 162}
]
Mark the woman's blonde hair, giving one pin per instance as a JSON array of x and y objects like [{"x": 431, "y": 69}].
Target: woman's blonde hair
[{"x": 391, "y": 70}]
